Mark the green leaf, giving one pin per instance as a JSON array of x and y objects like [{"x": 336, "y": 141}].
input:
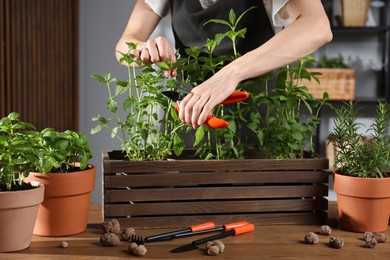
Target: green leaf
[
  {"x": 114, "y": 132},
  {"x": 112, "y": 106},
  {"x": 199, "y": 134},
  {"x": 218, "y": 21},
  {"x": 121, "y": 87},
  {"x": 96, "y": 129},
  {"x": 297, "y": 136},
  {"x": 163, "y": 65},
  {"x": 98, "y": 78},
  {"x": 241, "y": 33},
  {"x": 129, "y": 103},
  {"x": 13, "y": 116},
  {"x": 232, "y": 17}
]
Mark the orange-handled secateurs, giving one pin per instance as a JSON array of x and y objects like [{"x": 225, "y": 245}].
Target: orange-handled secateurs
[{"x": 211, "y": 121}]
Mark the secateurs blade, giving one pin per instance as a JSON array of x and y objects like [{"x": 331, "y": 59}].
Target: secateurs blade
[{"x": 211, "y": 121}]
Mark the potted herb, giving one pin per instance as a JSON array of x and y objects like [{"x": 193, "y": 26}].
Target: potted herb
[
  {"x": 19, "y": 200},
  {"x": 155, "y": 182},
  {"x": 69, "y": 180},
  {"x": 362, "y": 181}
]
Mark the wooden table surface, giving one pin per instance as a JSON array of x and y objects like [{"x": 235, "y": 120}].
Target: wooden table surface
[{"x": 282, "y": 241}]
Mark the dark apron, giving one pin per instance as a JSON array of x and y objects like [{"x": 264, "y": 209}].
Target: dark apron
[{"x": 188, "y": 18}]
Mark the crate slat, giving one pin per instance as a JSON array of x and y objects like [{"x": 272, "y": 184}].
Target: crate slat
[
  {"x": 180, "y": 178},
  {"x": 216, "y": 207},
  {"x": 208, "y": 193}
]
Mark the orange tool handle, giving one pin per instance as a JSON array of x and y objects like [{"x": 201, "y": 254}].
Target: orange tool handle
[
  {"x": 231, "y": 226},
  {"x": 211, "y": 121},
  {"x": 203, "y": 226},
  {"x": 235, "y": 97},
  {"x": 244, "y": 229},
  {"x": 215, "y": 122}
]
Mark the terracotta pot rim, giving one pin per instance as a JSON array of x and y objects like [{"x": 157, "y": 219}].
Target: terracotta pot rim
[
  {"x": 65, "y": 173},
  {"x": 356, "y": 177},
  {"x": 361, "y": 187},
  {"x": 58, "y": 184},
  {"x": 28, "y": 201}
]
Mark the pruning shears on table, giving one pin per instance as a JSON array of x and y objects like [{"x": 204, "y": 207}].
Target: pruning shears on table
[{"x": 213, "y": 122}]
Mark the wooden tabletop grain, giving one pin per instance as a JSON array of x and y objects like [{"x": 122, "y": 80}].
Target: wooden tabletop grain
[{"x": 276, "y": 242}]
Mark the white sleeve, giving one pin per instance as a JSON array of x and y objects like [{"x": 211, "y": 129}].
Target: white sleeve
[
  {"x": 277, "y": 20},
  {"x": 273, "y": 7},
  {"x": 160, "y": 7}
]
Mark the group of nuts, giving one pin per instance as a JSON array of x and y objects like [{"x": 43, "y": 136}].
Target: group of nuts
[
  {"x": 113, "y": 234},
  {"x": 313, "y": 238},
  {"x": 373, "y": 238},
  {"x": 215, "y": 247}
]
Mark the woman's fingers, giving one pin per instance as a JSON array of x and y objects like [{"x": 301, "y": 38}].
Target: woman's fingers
[
  {"x": 194, "y": 109},
  {"x": 157, "y": 50}
]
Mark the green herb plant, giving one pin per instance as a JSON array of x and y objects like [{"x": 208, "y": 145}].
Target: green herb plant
[
  {"x": 286, "y": 116},
  {"x": 17, "y": 151},
  {"x": 23, "y": 149},
  {"x": 135, "y": 104},
  {"x": 270, "y": 120},
  {"x": 61, "y": 152},
  {"x": 362, "y": 159}
]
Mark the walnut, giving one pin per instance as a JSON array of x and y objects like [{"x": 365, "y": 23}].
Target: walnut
[
  {"x": 325, "y": 230},
  {"x": 140, "y": 250},
  {"x": 127, "y": 233},
  {"x": 111, "y": 226},
  {"x": 380, "y": 237},
  {"x": 371, "y": 243},
  {"x": 336, "y": 242},
  {"x": 109, "y": 239},
  {"x": 213, "y": 250},
  {"x": 311, "y": 238},
  {"x": 215, "y": 247}
]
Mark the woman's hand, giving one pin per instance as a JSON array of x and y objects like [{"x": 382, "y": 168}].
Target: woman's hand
[
  {"x": 156, "y": 50},
  {"x": 198, "y": 104}
]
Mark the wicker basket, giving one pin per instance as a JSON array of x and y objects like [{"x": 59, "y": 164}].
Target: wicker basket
[
  {"x": 338, "y": 83},
  {"x": 354, "y": 12}
]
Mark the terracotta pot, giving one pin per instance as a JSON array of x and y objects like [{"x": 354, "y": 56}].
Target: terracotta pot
[
  {"x": 65, "y": 208},
  {"x": 363, "y": 203},
  {"x": 18, "y": 212}
]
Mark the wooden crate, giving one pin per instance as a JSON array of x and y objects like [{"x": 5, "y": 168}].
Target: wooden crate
[
  {"x": 338, "y": 83},
  {"x": 179, "y": 193}
]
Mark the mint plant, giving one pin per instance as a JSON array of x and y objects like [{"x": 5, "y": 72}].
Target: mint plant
[
  {"x": 286, "y": 117},
  {"x": 362, "y": 159},
  {"x": 144, "y": 133}
]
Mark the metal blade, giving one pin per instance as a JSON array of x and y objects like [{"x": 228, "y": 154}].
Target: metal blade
[
  {"x": 174, "y": 95},
  {"x": 184, "y": 248}
]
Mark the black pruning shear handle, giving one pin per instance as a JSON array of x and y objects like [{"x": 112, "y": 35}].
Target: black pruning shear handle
[{"x": 212, "y": 122}]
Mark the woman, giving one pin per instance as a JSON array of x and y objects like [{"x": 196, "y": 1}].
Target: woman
[{"x": 279, "y": 33}]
